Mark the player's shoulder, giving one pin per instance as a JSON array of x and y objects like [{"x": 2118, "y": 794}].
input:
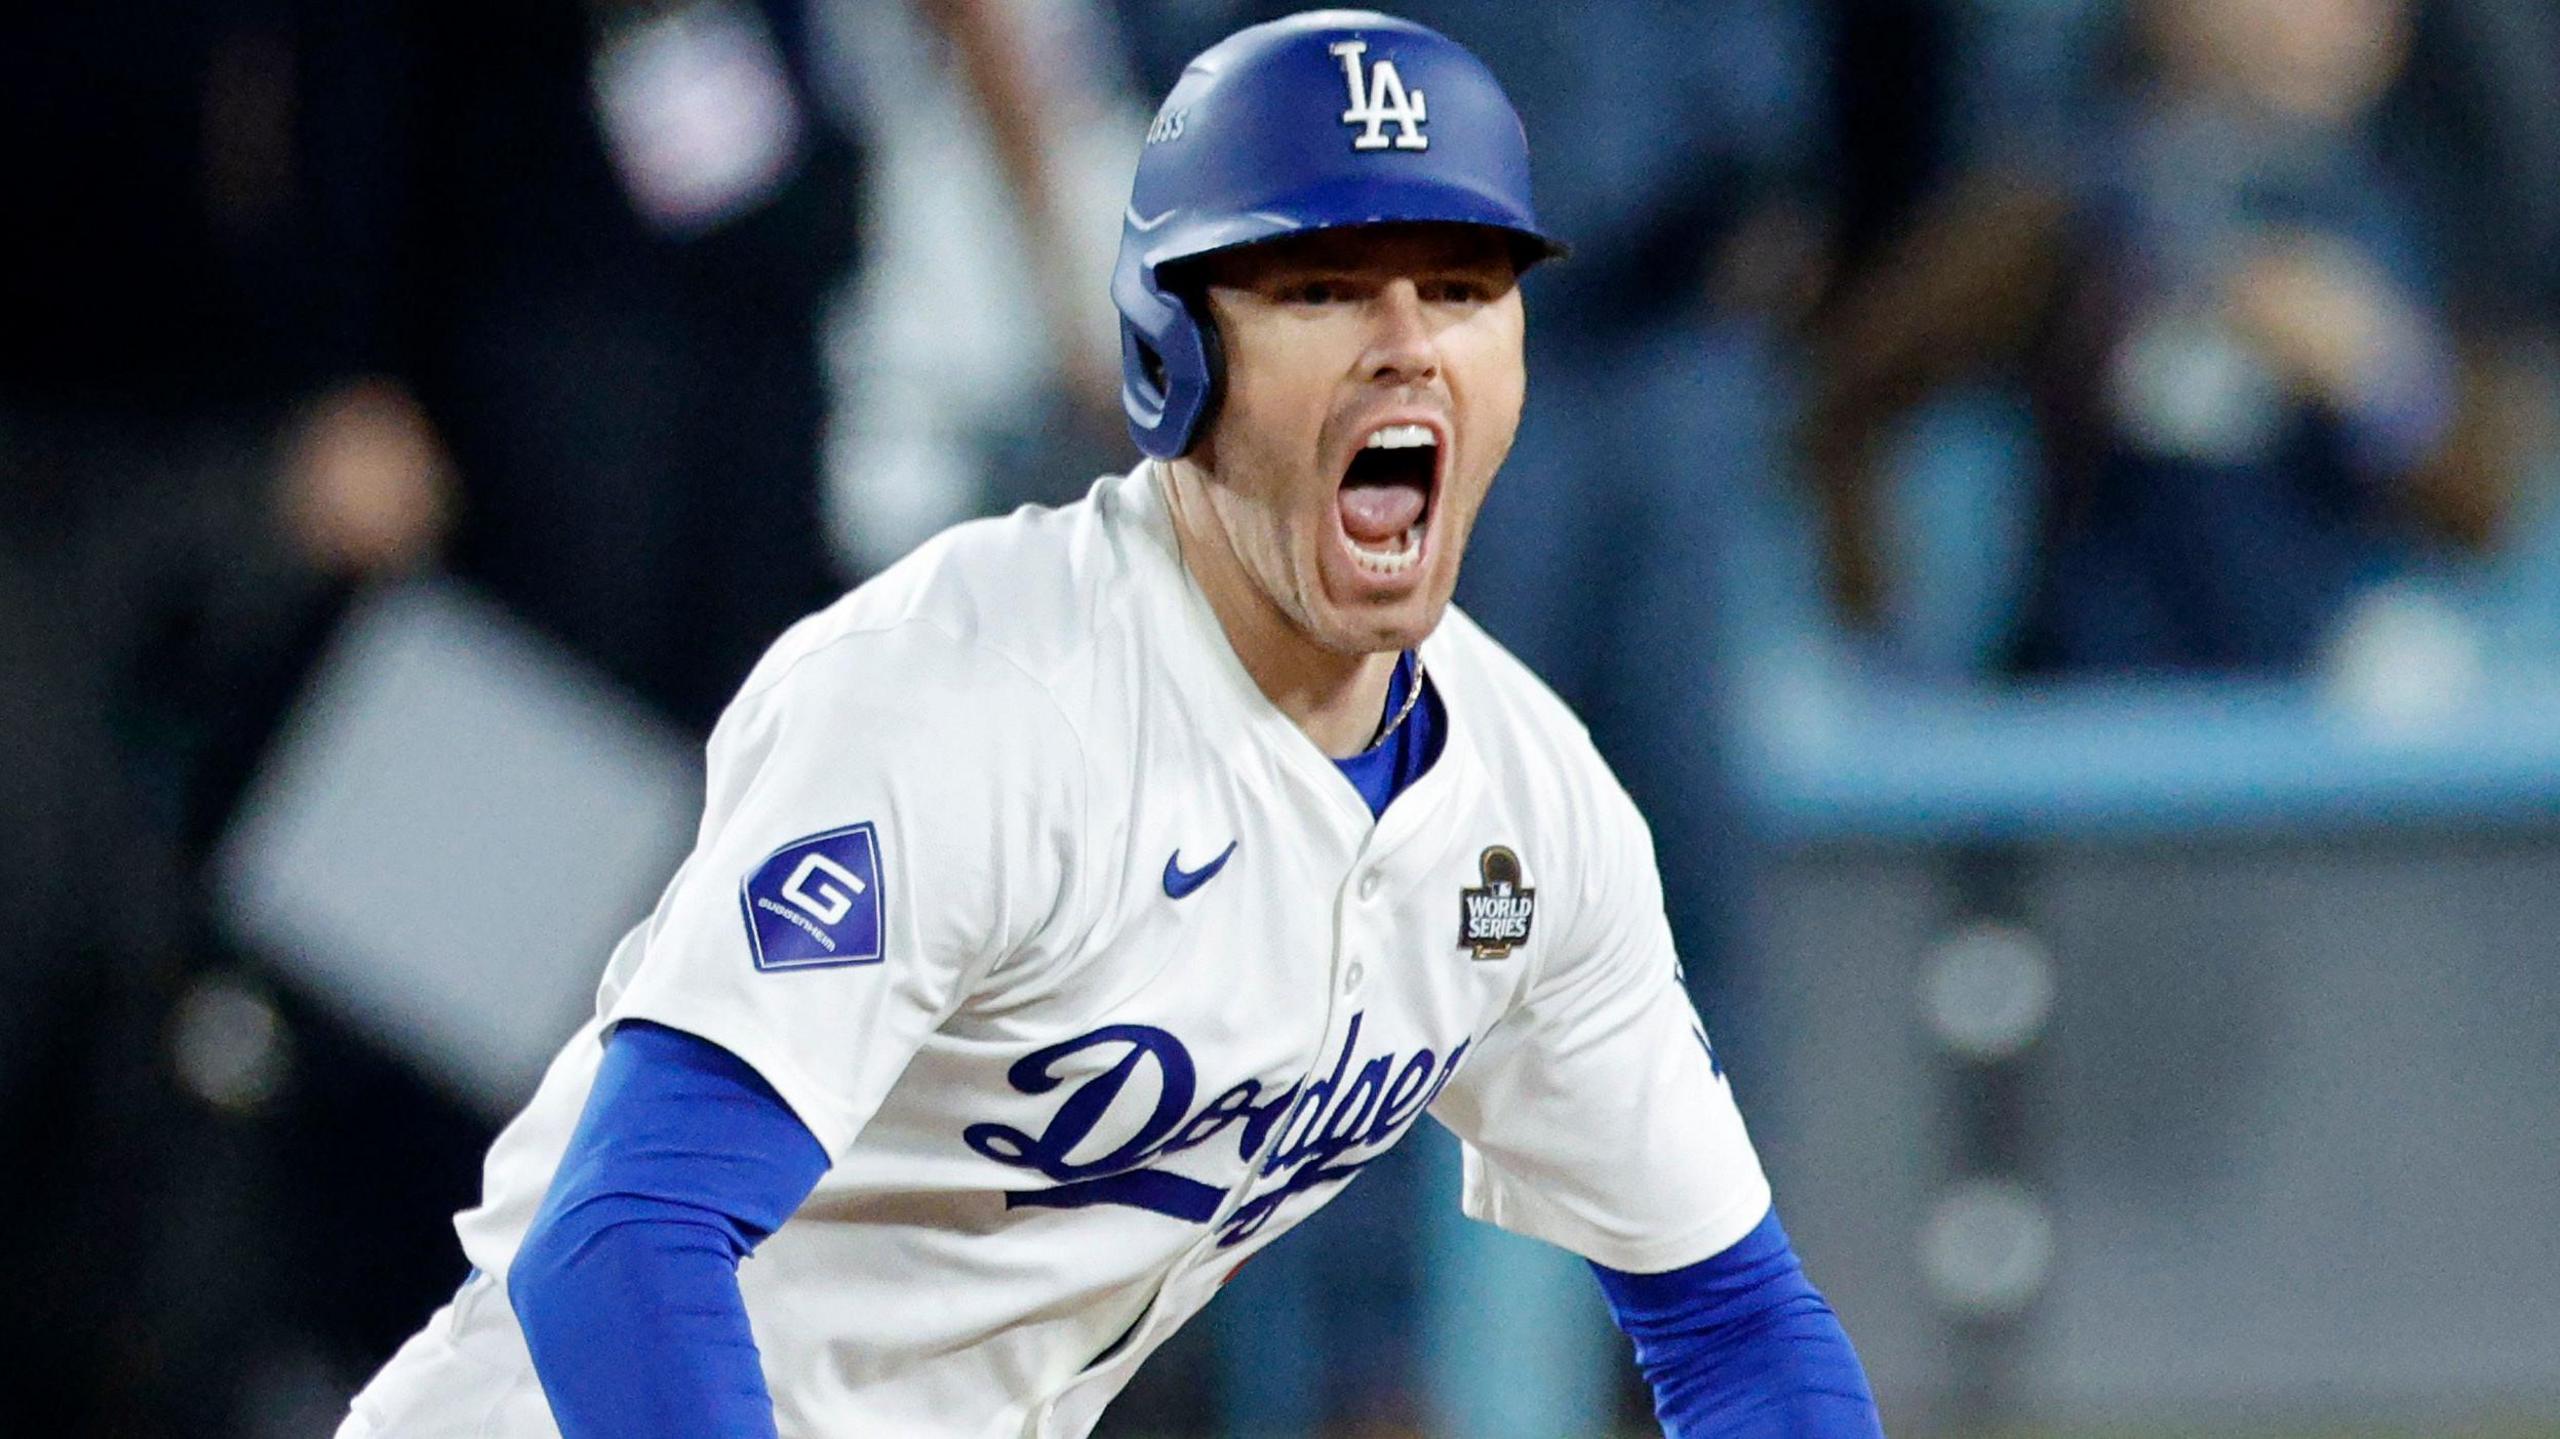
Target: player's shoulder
[
  {"x": 1004, "y": 603},
  {"x": 1516, "y": 713},
  {"x": 1596, "y": 851},
  {"x": 1535, "y": 747}
]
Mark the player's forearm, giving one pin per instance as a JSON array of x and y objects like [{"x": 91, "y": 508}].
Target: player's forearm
[
  {"x": 1741, "y": 1346},
  {"x": 632, "y": 1313},
  {"x": 627, "y": 1284},
  {"x": 1790, "y": 1375}
]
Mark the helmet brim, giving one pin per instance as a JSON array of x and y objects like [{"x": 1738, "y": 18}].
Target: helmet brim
[{"x": 1345, "y": 206}]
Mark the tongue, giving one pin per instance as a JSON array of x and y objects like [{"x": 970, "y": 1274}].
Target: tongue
[{"x": 1377, "y": 514}]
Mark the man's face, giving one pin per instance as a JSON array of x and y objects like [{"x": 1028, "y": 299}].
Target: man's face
[{"x": 1374, "y": 381}]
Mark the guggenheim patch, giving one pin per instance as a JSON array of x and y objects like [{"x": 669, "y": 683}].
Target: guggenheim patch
[{"x": 815, "y": 902}]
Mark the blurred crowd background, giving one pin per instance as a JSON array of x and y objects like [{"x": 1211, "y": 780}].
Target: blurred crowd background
[{"x": 2049, "y": 505}]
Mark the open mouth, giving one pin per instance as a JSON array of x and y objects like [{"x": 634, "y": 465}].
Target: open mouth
[{"x": 1385, "y": 499}]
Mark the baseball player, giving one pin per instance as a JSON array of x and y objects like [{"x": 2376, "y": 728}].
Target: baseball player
[{"x": 1082, "y": 903}]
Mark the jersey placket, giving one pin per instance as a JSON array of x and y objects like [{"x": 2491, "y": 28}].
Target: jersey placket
[{"x": 1382, "y": 867}]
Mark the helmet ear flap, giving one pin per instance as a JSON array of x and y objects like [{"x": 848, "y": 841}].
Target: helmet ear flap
[
  {"x": 1142, "y": 379},
  {"x": 1170, "y": 373},
  {"x": 1151, "y": 368},
  {"x": 1213, "y": 371}
]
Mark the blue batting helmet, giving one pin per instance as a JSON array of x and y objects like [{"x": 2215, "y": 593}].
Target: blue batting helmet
[{"x": 1319, "y": 121}]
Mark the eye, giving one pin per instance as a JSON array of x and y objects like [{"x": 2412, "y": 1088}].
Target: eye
[
  {"x": 1312, "y": 291},
  {"x": 1456, "y": 290}
]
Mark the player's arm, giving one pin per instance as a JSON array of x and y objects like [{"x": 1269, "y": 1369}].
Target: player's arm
[
  {"x": 1742, "y": 1346},
  {"x": 627, "y": 1284},
  {"x": 1596, "y": 1116},
  {"x": 889, "y": 818}
]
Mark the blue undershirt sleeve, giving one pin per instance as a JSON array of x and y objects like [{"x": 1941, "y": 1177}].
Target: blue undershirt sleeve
[
  {"x": 627, "y": 1283},
  {"x": 1741, "y": 1346}
]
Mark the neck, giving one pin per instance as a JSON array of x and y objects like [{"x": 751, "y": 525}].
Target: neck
[{"x": 1334, "y": 698}]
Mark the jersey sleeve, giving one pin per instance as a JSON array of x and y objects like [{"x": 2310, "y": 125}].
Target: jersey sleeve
[
  {"x": 1594, "y": 1114},
  {"x": 889, "y": 815}
]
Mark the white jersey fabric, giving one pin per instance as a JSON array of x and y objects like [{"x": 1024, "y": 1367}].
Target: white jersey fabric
[{"x": 1094, "y": 1067}]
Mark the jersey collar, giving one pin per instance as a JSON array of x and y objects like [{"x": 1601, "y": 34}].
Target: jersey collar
[{"x": 1199, "y": 646}]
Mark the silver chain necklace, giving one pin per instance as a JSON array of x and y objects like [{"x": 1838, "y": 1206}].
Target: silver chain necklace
[{"x": 1412, "y": 696}]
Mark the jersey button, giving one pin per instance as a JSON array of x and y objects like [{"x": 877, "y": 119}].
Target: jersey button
[
  {"x": 1369, "y": 885},
  {"x": 1351, "y": 977}
]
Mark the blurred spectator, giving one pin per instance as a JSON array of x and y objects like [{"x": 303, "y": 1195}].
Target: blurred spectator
[
  {"x": 202, "y": 443},
  {"x": 1008, "y": 122},
  {"x": 2236, "y": 337},
  {"x": 302, "y": 295},
  {"x": 676, "y": 222},
  {"x": 617, "y": 269}
]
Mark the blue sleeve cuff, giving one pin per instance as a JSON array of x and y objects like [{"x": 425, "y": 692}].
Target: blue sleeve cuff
[{"x": 1742, "y": 1346}]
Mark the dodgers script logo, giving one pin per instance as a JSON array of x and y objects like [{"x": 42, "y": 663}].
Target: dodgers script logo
[
  {"x": 1385, "y": 102},
  {"x": 816, "y": 902},
  {"x": 1312, "y": 1129}
]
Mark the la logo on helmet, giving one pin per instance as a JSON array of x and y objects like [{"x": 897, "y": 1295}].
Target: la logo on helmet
[{"x": 1384, "y": 102}]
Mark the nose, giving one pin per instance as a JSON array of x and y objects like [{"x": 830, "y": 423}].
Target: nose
[{"x": 1403, "y": 349}]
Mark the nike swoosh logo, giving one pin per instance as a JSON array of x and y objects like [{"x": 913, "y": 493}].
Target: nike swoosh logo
[
  {"x": 1179, "y": 882},
  {"x": 1142, "y": 224}
]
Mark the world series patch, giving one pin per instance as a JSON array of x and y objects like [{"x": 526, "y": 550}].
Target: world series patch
[
  {"x": 1493, "y": 918},
  {"x": 815, "y": 902}
]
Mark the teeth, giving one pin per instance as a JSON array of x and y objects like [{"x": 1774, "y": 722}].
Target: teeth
[
  {"x": 1393, "y": 560},
  {"x": 1400, "y": 437}
]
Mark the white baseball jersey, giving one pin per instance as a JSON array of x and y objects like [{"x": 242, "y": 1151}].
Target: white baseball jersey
[{"x": 1094, "y": 976}]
